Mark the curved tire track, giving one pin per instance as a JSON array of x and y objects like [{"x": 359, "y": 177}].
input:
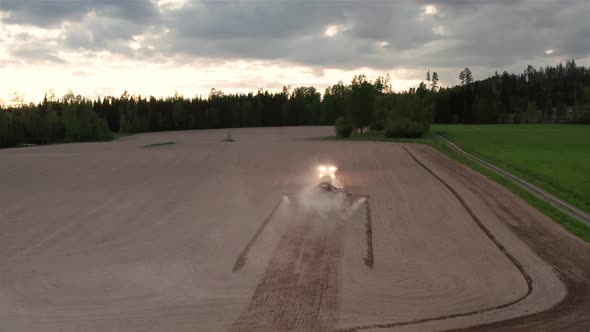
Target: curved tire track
[
  {"x": 489, "y": 234},
  {"x": 569, "y": 255}
]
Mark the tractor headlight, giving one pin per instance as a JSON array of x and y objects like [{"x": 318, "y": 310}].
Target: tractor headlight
[{"x": 327, "y": 171}]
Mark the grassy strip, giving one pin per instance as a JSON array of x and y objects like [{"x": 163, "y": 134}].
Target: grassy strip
[
  {"x": 572, "y": 225},
  {"x": 158, "y": 144},
  {"x": 553, "y": 157},
  {"x": 569, "y": 223}
]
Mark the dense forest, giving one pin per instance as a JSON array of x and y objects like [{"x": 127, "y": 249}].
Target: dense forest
[{"x": 544, "y": 95}]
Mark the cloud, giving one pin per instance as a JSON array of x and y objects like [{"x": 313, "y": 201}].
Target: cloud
[
  {"x": 50, "y": 13},
  {"x": 33, "y": 53},
  {"x": 443, "y": 36}
]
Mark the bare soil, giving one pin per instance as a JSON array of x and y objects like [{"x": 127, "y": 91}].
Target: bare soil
[{"x": 198, "y": 236}]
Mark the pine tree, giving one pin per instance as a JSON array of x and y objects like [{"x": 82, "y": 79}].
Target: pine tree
[
  {"x": 462, "y": 77},
  {"x": 468, "y": 76},
  {"x": 434, "y": 81}
]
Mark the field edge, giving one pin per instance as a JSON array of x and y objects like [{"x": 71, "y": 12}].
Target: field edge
[{"x": 570, "y": 224}]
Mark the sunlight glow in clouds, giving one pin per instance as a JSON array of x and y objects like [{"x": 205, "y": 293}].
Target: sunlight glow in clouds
[
  {"x": 333, "y": 30},
  {"x": 135, "y": 43},
  {"x": 549, "y": 51},
  {"x": 171, "y": 4},
  {"x": 430, "y": 10}
]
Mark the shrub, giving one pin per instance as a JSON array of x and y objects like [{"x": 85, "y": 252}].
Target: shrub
[
  {"x": 409, "y": 117},
  {"x": 383, "y": 105},
  {"x": 343, "y": 127},
  {"x": 404, "y": 127}
]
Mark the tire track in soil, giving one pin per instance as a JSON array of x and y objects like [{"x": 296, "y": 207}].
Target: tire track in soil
[
  {"x": 569, "y": 314},
  {"x": 370, "y": 259},
  {"x": 299, "y": 290},
  {"x": 241, "y": 260},
  {"x": 513, "y": 260}
]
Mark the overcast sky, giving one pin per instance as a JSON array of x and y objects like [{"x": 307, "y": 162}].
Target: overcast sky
[{"x": 159, "y": 47}]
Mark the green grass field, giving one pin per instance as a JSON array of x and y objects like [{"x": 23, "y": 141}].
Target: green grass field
[{"x": 554, "y": 157}]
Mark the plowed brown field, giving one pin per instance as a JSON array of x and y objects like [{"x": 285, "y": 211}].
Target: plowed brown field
[{"x": 198, "y": 236}]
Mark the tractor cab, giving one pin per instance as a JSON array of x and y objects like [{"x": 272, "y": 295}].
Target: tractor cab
[{"x": 327, "y": 177}]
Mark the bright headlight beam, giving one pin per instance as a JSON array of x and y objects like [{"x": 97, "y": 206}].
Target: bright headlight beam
[{"x": 327, "y": 171}]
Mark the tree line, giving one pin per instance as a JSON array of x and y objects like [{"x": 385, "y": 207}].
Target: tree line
[
  {"x": 559, "y": 94},
  {"x": 544, "y": 95}
]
